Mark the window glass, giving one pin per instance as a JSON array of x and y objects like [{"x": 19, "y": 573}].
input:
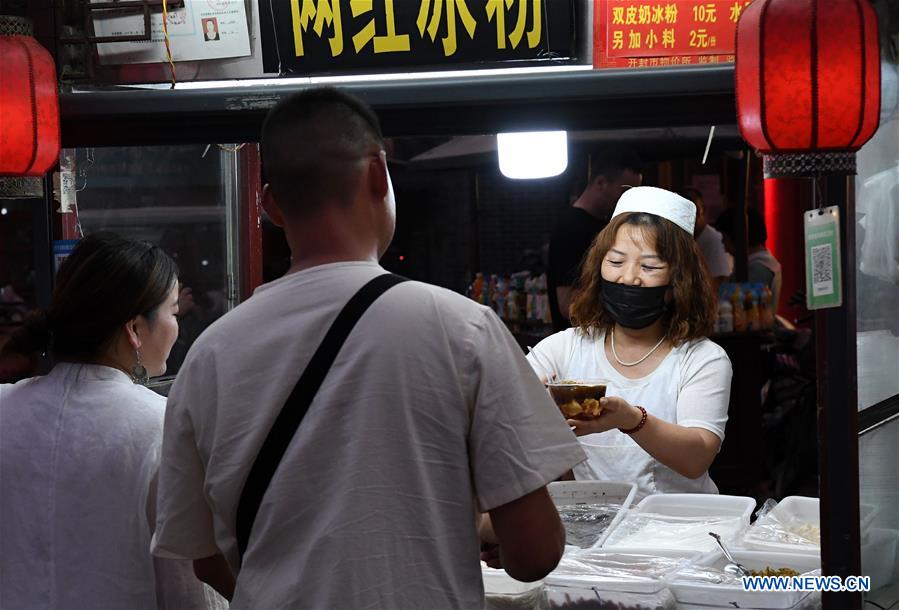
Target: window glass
[
  {"x": 877, "y": 260},
  {"x": 182, "y": 198}
]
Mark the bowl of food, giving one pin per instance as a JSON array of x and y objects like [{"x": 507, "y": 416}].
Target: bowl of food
[{"x": 578, "y": 399}]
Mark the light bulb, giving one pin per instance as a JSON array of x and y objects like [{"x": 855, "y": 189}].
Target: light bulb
[{"x": 534, "y": 154}]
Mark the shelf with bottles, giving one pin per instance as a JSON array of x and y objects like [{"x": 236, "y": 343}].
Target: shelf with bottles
[
  {"x": 519, "y": 299},
  {"x": 744, "y": 307}
]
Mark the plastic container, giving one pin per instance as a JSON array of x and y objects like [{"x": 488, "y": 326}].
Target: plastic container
[
  {"x": 787, "y": 527},
  {"x": 698, "y": 505},
  {"x": 502, "y": 592},
  {"x": 706, "y": 583},
  {"x": 680, "y": 523},
  {"x": 568, "y": 493},
  {"x": 602, "y": 580}
]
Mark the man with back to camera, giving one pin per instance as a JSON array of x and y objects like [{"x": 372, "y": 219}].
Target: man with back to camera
[
  {"x": 428, "y": 414},
  {"x": 611, "y": 172}
]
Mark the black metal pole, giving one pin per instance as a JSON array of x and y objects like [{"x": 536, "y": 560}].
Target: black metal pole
[
  {"x": 838, "y": 413},
  {"x": 42, "y": 249},
  {"x": 741, "y": 241}
]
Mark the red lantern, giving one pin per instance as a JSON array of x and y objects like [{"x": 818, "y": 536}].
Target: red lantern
[
  {"x": 808, "y": 83},
  {"x": 29, "y": 108}
]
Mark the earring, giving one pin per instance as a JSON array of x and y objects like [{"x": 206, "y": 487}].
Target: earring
[{"x": 139, "y": 371}]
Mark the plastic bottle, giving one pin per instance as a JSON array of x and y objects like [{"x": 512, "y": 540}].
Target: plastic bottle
[
  {"x": 725, "y": 316},
  {"x": 513, "y": 310},
  {"x": 502, "y": 297},
  {"x": 543, "y": 300},
  {"x": 477, "y": 287},
  {"x": 739, "y": 315}
]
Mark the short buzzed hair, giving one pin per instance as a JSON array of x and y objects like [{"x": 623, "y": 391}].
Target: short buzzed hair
[{"x": 309, "y": 144}]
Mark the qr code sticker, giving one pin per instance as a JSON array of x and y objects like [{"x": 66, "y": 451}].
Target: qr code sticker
[{"x": 822, "y": 270}]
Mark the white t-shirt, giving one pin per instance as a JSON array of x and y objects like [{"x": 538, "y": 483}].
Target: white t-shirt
[
  {"x": 711, "y": 244},
  {"x": 429, "y": 411},
  {"x": 690, "y": 387},
  {"x": 78, "y": 448}
]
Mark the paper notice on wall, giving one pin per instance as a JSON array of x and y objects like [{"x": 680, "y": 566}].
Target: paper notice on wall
[{"x": 203, "y": 29}]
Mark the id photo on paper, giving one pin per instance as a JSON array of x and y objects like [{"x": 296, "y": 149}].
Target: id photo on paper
[{"x": 210, "y": 28}]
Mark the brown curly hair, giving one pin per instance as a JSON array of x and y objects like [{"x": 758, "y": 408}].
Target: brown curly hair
[{"x": 694, "y": 308}]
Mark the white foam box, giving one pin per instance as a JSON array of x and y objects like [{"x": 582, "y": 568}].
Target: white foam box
[
  {"x": 502, "y": 592},
  {"x": 569, "y": 493},
  {"x": 793, "y": 511},
  {"x": 690, "y": 590},
  {"x": 600, "y": 579},
  {"x": 680, "y": 523}
]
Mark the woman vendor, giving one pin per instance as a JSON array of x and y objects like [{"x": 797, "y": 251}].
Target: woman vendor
[{"x": 642, "y": 311}]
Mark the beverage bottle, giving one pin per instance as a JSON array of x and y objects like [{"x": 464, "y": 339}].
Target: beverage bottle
[
  {"x": 753, "y": 321},
  {"x": 725, "y": 316},
  {"x": 543, "y": 300},
  {"x": 512, "y": 308},
  {"x": 502, "y": 295},
  {"x": 739, "y": 314},
  {"x": 530, "y": 288},
  {"x": 477, "y": 286}
]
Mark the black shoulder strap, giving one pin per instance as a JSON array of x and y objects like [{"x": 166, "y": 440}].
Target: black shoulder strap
[{"x": 294, "y": 409}]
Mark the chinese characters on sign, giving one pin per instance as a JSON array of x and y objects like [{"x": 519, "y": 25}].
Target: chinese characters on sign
[
  {"x": 650, "y": 33},
  {"x": 317, "y": 35}
]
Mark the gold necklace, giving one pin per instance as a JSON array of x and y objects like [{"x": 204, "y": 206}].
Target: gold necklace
[{"x": 648, "y": 354}]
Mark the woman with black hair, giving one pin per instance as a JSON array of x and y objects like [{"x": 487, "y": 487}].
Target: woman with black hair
[{"x": 79, "y": 447}]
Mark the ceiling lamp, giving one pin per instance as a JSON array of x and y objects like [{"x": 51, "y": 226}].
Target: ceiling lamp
[
  {"x": 29, "y": 106},
  {"x": 808, "y": 83},
  {"x": 533, "y": 154}
]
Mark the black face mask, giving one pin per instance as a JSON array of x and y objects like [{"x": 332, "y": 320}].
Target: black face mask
[{"x": 634, "y": 306}]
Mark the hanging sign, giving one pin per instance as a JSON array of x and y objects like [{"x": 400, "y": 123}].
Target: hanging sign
[
  {"x": 823, "y": 281},
  {"x": 306, "y": 36},
  {"x": 652, "y": 33}
]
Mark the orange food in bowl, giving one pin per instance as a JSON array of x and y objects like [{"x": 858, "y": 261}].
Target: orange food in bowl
[{"x": 578, "y": 399}]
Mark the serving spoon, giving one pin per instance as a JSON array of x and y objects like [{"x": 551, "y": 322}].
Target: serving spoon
[{"x": 733, "y": 567}]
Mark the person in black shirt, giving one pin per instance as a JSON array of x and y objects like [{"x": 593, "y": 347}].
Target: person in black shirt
[{"x": 610, "y": 173}]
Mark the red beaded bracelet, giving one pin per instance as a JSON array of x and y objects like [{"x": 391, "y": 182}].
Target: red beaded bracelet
[{"x": 638, "y": 426}]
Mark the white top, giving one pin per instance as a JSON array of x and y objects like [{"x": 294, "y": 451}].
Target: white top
[
  {"x": 78, "y": 448},
  {"x": 429, "y": 411},
  {"x": 711, "y": 244},
  {"x": 690, "y": 387}
]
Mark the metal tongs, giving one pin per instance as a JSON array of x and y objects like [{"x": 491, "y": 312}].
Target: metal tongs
[{"x": 733, "y": 567}]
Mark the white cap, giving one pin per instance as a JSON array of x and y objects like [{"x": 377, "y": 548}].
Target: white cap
[{"x": 652, "y": 200}]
